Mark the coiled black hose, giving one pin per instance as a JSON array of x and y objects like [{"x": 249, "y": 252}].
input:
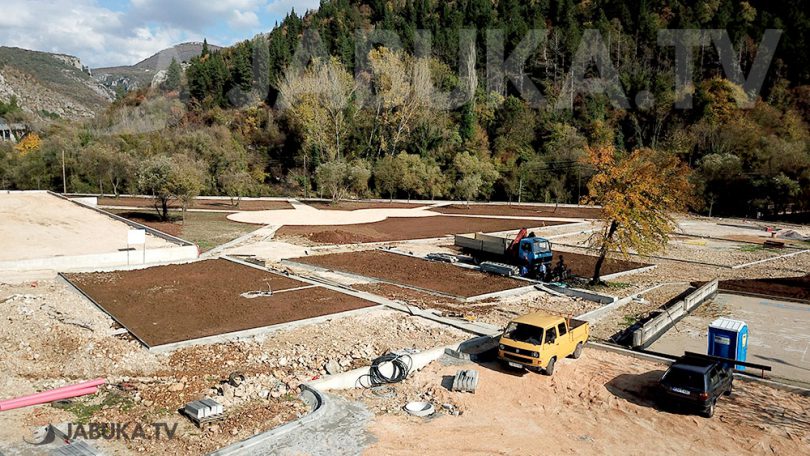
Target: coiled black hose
[{"x": 401, "y": 368}]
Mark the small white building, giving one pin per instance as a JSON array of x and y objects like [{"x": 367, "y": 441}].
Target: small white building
[{"x": 12, "y": 131}]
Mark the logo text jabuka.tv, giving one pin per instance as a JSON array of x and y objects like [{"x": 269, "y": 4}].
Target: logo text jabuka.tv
[{"x": 109, "y": 431}]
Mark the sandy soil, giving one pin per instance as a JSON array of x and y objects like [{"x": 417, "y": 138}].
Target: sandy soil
[
  {"x": 172, "y": 303},
  {"x": 39, "y": 225},
  {"x": 430, "y": 275},
  {"x": 199, "y": 203},
  {"x": 398, "y": 229},
  {"x": 520, "y": 210},
  {"x": 603, "y": 403}
]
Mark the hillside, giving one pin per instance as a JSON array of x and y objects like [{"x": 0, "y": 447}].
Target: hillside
[
  {"x": 46, "y": 84},
  {"x": 143, "y": 73}
]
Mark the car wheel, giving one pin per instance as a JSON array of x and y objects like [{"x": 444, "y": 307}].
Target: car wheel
[
  {"x": 710, "y": 411},
  {"x": 577, "y": 351},
  {"x": 550, "y": 367},
  {"x": 728, "y": 391}
]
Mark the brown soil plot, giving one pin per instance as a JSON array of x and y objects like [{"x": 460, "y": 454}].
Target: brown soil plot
[
  {"x": 795, "y": 288},
  {"x": 355, "y": 205},
  {"x": 523, "y": 211},
  {"x": 201, "y": 203},
  {"x": 173, "y": 303},
  {"x": 406, "y": 228},
  {"x": 583, "y": 265},
  {"x": 416, "y": 272}
]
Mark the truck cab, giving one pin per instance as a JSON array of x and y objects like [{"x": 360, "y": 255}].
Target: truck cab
[
  {"x": 534, "y": 251},
  {"x": 537, "y": 340}
]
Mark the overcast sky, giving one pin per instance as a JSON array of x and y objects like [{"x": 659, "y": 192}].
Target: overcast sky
[{"x": 123, "y": 32}]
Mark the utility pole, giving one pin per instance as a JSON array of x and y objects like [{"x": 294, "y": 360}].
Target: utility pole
[
  {"x": 520, "y": 188},
  {"x": 64, "y": 174}
]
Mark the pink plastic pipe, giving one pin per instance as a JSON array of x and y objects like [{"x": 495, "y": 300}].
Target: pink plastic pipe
[
  {"x": 82, "y": 385},
  {"x": 50, "y": 397}
]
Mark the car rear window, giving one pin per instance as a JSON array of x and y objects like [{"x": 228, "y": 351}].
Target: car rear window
[{"x": 682, "y": 377}]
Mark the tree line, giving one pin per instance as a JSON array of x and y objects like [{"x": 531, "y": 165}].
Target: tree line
[{"x": 325, "y": 132}]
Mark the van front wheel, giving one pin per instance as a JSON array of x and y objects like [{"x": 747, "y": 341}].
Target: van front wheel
[{"x": 549, "y": 370}]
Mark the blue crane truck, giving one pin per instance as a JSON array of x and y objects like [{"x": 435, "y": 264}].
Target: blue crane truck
[{"x": 529, "y": 254}]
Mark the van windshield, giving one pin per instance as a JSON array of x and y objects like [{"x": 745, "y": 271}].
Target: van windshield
[
  {"x": 522, "y": 332},
  {"x": 540, "y": 246}
]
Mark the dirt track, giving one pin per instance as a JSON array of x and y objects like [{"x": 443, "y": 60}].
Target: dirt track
[
  {"x": 426, "y": 274},
  {"x": 397, "y": 229},
  {"x": 173, "y": 303},
  {"x": 523, "y": 211},
  {"x": 603, "y": 403}
]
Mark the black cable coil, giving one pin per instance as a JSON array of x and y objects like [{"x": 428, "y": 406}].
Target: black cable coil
[{"x": 401, "y": 364}]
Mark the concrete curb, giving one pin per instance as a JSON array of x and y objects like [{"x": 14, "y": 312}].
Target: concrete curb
[{"x": 311, "y": 396}]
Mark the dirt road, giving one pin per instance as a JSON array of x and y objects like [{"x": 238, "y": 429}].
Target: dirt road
[{"x": 599, "y": 404}]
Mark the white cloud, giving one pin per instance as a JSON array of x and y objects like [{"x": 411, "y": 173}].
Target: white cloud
[
  {"x": 248, "y": 19},
  {"x": 102, "y": 36}
]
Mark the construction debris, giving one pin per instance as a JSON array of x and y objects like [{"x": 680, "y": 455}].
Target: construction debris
[
  {"x": 500, "y": 269},
  {"x": 420, "y": 408},
  {"x": 466, "y": 381},
  {"x": 203, "y": 411}
]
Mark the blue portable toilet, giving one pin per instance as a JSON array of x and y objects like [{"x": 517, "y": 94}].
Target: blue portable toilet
[{"x": 729, "y": 339}]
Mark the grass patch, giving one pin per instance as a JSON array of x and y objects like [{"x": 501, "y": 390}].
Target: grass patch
[
  {"x": 618, "y": 285},
  {"x": 84, "y": 411},
  {"x": 751, "y": 248},
  {"x": 630, "y": 320},
  {"x": 206, "y": 229}
]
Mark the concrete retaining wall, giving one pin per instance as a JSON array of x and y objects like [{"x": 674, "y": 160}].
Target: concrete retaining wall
[{"x": 654, "y": 328}]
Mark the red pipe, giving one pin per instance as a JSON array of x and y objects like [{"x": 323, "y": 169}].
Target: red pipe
[
  {"x": 50, "y": 397},
  {"x": 77, "y": 386}
]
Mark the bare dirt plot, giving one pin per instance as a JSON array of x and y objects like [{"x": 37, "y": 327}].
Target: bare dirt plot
[
  {"x": 603, "y": 403},
  {"x": 404, "y": 228},
  {"x": 355, "y": 205},
  {"x": 520, "y": 210},
  {"x": 41, "y": 225},
  {"x": 583, "y": 265},
  {"x": 797, "y": 288},
  {"x": 425, "y": 274},
  {"x": 199, "y": 203},
  {"x": 173, "y": 303},
  {"x": 206, "y": 229}
]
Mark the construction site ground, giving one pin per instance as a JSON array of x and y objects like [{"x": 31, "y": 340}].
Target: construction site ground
[
  {"x": 166, "y": 304},
  {"x": 602, "y": 403},
  {"x": 51, "y": 336},
  {"x": 779, "y": 333}
]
